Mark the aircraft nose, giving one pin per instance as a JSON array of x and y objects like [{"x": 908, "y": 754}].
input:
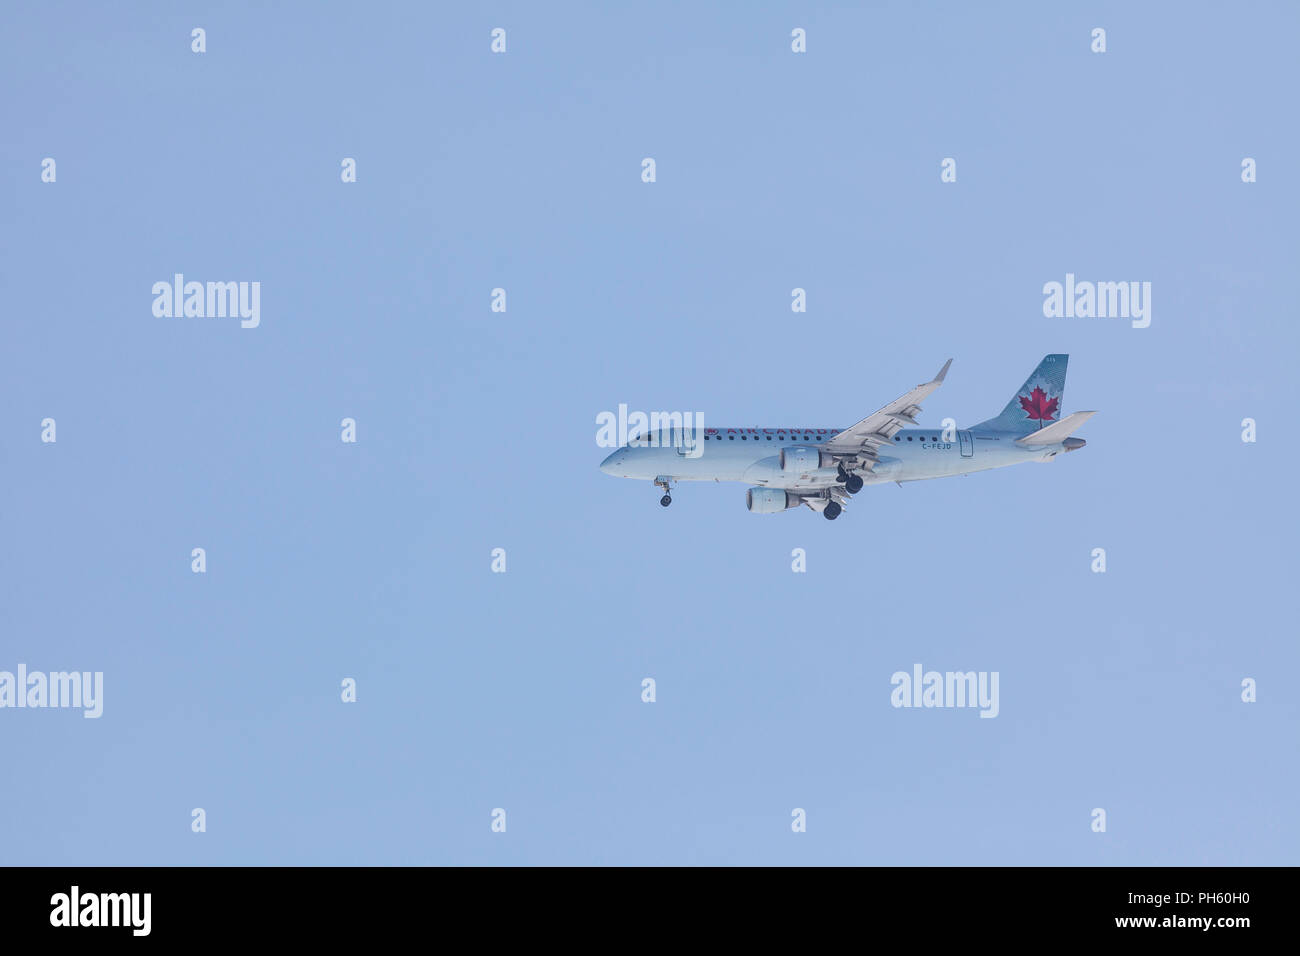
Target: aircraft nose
[{"x": 611, "y": 464}]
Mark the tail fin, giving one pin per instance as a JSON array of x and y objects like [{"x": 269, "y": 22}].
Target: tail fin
[{"x": 1038, "y": 403}]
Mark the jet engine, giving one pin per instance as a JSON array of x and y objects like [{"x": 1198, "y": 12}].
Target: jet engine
[
  {"x": 768, "y": 501},
  {"x": 801, "y": 459}
]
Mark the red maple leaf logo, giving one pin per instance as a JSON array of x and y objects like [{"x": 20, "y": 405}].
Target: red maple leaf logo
[{"x": 1038, "y": 406}]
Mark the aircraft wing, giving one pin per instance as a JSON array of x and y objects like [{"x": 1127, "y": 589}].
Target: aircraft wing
[{"x": 868, "y": 435}]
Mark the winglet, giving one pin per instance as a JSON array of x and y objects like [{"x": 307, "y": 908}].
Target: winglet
[{"x": 942, "y": 372}]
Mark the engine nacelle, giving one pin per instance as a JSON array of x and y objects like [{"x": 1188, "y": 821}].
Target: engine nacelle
[
  {"x": 768, "y": 501},
  {"x": 800, "y": 459}
]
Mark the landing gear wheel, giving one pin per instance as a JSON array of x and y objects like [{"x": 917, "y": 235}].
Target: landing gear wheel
[
  {"x": 832, "y": 511},
  {"x": 666, "y": 483},
  {"x": 854, "y": 484}
]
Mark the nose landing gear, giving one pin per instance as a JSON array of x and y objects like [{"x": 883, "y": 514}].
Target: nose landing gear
[
  {"x": 664, "y": 482},
  {"x": 831, "y": 511}
]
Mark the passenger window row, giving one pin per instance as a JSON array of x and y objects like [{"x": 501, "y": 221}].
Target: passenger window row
[{"x": 761, "y": 437}]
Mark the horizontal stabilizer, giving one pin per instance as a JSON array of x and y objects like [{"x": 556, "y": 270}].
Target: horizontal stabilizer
[{"x": 1056, "y": 432}]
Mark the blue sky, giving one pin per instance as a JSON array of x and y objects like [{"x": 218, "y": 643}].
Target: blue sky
[{"x": 476, "y": 430}]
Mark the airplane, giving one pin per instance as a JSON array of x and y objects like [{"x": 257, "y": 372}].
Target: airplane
[{"x": 824, "y": 467}]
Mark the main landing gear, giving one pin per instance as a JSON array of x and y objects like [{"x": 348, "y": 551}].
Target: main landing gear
[
  {"x": 852, "y": 483},
  {"x": 666, "y": 484}
]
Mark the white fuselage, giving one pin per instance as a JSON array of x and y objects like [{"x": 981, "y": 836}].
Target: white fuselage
[{"x": 752, "y": 455}]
